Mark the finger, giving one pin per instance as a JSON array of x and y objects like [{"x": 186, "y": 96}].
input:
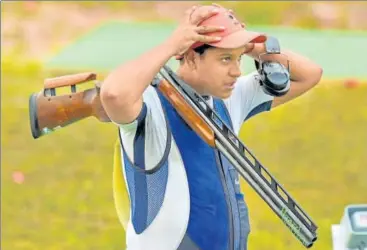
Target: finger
[
  {"x": 217, "y": 5},
  {"x": 189, "y": 12},
  {"x": 208, "y": 29},
  {"x": 207, "y": 39},
  {"x": 249, "y": 47},
  {"x": 220, "y": 6},
  {"x": 203, "y": 13}
]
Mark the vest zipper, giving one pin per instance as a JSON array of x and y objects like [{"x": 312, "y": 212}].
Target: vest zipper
[{"x": 229, "y": 205}]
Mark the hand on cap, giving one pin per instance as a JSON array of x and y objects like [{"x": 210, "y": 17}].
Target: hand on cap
[
  {"x": 188, "y": 32},
  {"x": 248, "y": 47},
  {"x": 230, "y": 11}
]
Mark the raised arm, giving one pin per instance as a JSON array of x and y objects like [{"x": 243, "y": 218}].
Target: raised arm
[
  {"x": 122, "y": 90},
  {"x": 304, "y": 73}
]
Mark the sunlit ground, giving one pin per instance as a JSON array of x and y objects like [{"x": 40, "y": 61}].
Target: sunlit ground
[{"x": 316, "y": 147}]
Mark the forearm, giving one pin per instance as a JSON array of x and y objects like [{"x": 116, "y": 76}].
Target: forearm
[
  {"x": 129, "y": 80},
  {"x": 304, "y": 73},
  {"x": 122, "y": 90},
  {"x": 302, "y": 69}
]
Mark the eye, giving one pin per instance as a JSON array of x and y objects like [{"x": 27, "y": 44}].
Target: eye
[{"x": 226, "y": 59}]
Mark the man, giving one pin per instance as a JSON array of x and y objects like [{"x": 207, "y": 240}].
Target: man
[{"x": 183, "y": 194}]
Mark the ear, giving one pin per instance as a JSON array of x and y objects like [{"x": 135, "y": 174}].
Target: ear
[{"x": 191, "y": 59}]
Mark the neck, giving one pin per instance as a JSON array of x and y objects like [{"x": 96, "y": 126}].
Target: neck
[{"x": 189, "y": 78}]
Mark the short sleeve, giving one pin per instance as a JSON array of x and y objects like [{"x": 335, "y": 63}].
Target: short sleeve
[
  {"x": 145, "y": 139},
  {"x": 248, "y": 99}
]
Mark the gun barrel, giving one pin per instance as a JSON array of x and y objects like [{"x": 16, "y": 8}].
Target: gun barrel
[{"x": 293, "y": 222}]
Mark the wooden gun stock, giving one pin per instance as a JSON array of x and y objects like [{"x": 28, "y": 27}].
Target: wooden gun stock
[{"x": 49, "y": 112}]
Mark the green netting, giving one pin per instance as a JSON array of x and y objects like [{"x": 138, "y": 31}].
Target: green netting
[{"x": 340, "y": 53}]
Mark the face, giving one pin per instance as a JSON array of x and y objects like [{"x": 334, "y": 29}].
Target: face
[{"x": 217, "y": 70}]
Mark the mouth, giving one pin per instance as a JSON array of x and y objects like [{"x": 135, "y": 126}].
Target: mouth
[{"x": 230, "y": 85}]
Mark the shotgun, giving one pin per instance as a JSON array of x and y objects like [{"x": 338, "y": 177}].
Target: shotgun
[{"x": 48, "y": 112}]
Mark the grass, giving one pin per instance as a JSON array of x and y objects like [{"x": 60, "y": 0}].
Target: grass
[{"x": 315, "y": 146}]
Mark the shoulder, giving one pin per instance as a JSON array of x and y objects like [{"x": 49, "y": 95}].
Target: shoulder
[
  {"x": 246, "y": 88},
  {"x": 152, "y": 113},
  {"x": 247, "y": 99},
  {"x": 249, "y": 81},
  {"x": 150, "y": 95}
]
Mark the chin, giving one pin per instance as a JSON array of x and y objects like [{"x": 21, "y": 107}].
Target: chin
[{"x": 224, "y": 94}]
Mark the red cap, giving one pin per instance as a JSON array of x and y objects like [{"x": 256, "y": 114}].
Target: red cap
[{"x": 235, "y": 34}]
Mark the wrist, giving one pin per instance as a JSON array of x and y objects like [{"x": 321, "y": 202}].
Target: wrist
[
  {"x": 258, "y": 48},
  {"x": 170, "y": 47}
]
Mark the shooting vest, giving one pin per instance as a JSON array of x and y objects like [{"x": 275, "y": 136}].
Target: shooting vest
[{"x": 212, "y": 180}]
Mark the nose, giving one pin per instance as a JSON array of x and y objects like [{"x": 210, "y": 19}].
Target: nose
[{"x": 235, "y": 70}]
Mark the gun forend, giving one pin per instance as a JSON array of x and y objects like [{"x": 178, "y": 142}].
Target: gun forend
[{"x": 187, "y": 112}]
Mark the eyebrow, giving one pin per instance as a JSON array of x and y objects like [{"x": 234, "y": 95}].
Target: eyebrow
[
  {"x": 225, "y": 54},
  {"x": 228, "y": 54}
]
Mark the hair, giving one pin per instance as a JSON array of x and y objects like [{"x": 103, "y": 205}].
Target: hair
[{"x": 200, "y": 50}]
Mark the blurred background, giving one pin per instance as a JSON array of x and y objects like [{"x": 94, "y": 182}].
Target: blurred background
[{"x": 57, "y": 190}]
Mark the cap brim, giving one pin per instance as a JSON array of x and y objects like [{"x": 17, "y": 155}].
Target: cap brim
[{"x": 239, "y": 39}]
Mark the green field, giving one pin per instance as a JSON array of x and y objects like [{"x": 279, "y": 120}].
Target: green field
[{"x": 316, "y": 147}]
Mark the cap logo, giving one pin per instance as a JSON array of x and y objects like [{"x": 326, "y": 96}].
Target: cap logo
[{"x": 235, "y": 21}]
